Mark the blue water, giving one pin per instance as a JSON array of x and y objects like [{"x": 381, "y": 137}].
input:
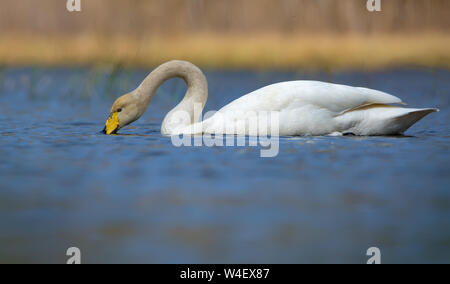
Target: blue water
[{"x": 136, "y": 198}]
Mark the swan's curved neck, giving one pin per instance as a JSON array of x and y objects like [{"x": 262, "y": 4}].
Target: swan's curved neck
[{"x": 195, "y": 97}]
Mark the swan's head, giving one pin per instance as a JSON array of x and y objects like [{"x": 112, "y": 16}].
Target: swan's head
[{"x": 123, "y": 112}]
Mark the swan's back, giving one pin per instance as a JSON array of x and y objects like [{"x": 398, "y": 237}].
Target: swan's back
[{"x": 293, "y": 94}]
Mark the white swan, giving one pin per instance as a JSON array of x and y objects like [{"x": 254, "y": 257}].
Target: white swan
[{"x": 303, "y": 108}]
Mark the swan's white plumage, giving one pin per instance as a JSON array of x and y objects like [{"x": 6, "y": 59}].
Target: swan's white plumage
[
  {"x": 290, "y": 95},
  {"x": 315, "y": 108}
]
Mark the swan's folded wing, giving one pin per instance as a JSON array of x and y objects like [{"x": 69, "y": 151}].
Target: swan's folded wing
[
  {"x": 290, "y": 95},
  {"x": 372, "y": 97},
  {"x": 340, "y": 98}
]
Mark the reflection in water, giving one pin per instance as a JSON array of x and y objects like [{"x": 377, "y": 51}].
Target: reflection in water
[{"x": 134, "y": 197}]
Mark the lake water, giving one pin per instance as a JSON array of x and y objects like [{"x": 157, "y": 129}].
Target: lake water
[{"x": 136, "y": 198}]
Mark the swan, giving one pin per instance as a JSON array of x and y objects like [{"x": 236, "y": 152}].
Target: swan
[{"x": 303, "y": 108}]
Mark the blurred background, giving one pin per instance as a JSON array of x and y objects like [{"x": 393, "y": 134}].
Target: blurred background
[
  {"x": 232, "y": 33},
  {"x": 135, "y": 198}
]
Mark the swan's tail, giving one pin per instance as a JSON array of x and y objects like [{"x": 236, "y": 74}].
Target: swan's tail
[
  {"x": 398, "y": 120},
  {"x": 403, "y": 122},
  {"x": 383, "y": 119}
]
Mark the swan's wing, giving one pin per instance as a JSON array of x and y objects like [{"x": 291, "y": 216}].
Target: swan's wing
[{"x": 290, "y": 95}]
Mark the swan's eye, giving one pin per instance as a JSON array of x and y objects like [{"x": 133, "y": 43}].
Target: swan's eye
[{"x": 119, "y": 110}]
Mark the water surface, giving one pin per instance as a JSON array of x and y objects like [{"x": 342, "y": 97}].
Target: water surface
[{"x": 136, "y": 198}]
